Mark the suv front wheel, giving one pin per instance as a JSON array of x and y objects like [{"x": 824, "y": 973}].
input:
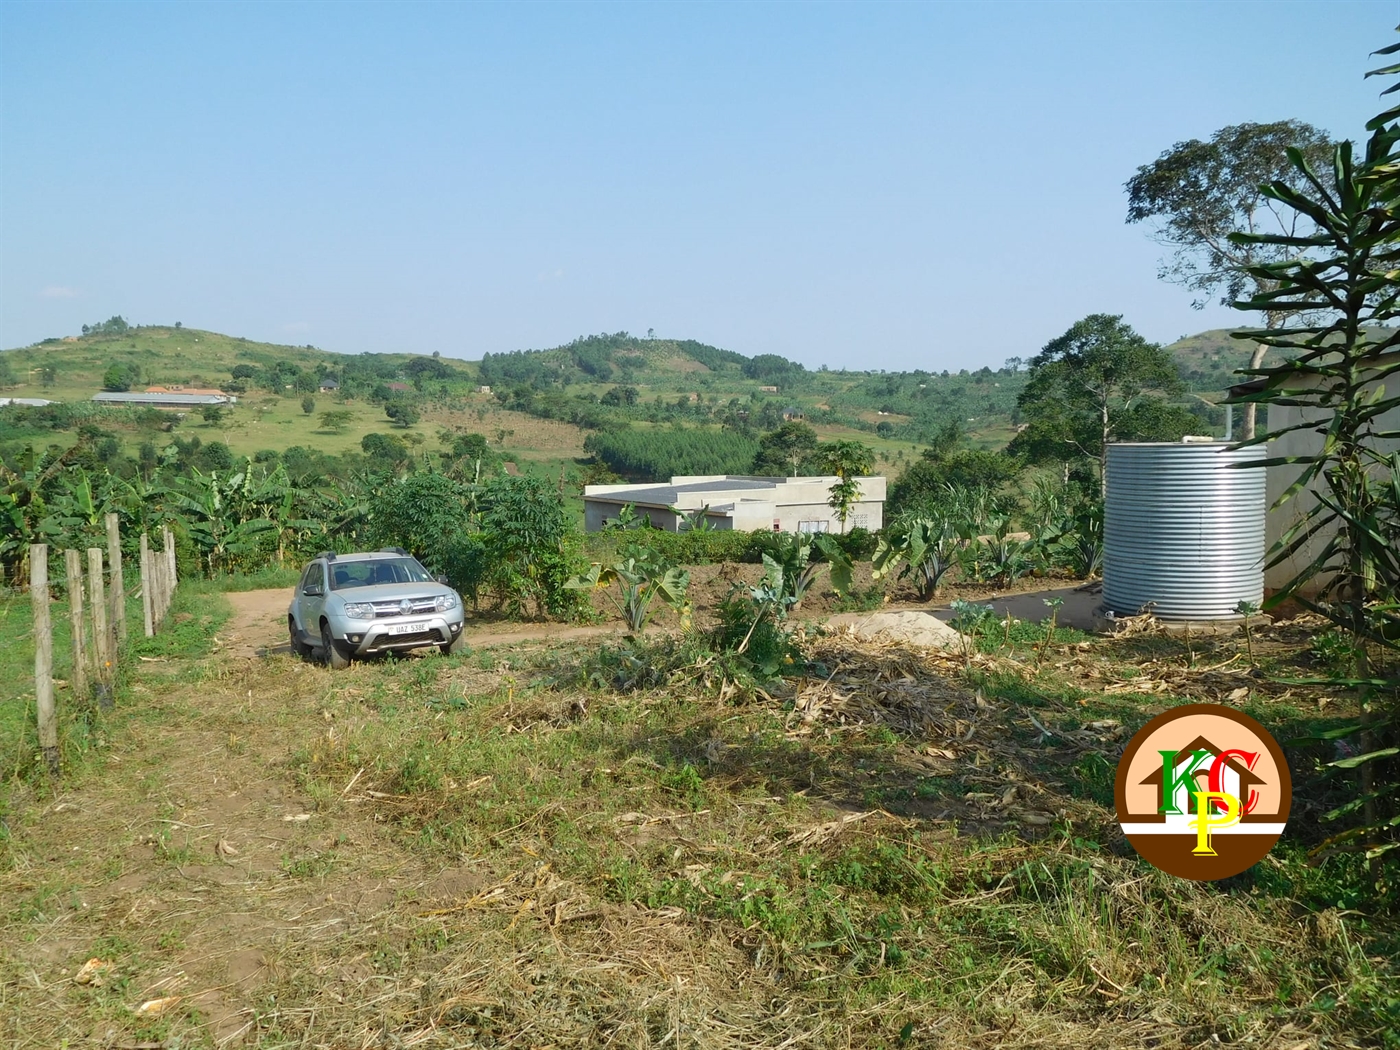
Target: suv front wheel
[{"x": 336, "y": 657}]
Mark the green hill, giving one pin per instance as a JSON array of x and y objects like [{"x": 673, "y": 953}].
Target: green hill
[{"x": 544, "y": 402}]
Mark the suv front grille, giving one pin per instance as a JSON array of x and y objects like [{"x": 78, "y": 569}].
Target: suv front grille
[{"x": 386, "y": 609}]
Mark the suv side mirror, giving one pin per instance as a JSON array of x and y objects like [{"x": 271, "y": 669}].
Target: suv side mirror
[
  {"x": 441, "y": 579},
  {"x": 312, "y": 590}
]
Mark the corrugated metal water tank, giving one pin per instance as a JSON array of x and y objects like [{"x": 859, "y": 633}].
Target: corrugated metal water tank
[{"x": 1184, "y": 529}]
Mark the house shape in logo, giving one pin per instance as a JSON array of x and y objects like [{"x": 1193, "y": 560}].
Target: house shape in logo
[{"x": 1247, "y": 779}]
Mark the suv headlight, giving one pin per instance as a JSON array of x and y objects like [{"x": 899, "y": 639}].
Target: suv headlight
[
  {"x": 359, "y": 610},
  {"x": 444, "y": 602}
]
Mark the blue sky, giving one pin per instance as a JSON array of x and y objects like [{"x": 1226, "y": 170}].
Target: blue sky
[{"x": 870, "y": 186}]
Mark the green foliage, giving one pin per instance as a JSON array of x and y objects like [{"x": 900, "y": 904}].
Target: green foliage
[
  {"x": 788, "y": 451},
  {"x": 799, "y": 557},
  {"x": 849, "y": 461},
  {"x": 752, "y": 625},
  {"x": 924, "y": 548},
  {"x": 115, "y": 325},
  {"x": 308, "y": 405},
  {"x": 120, "y": 377},
  {"x": 657, "y": 455},
  {"x": 213, "y": 414},
  {"x": 684, "y": 548},
  {"x": 336, "y": 420},
  {"x": 641, "y": 577},
  {"x": 424, "y": 513},
  {"x": 532, "y": 545},
  {"x": 386, "y": 451},
  {"x": 1343, "y": 273},
  {"x": 1198, "y": 193},
  {"x": 924, "y": 483},
  {"x": 773, "y": 370},
  {"x": 1084, "y": 389},
  {"x": 402, "y": 413}
]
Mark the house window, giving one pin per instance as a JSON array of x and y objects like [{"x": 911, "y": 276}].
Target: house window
[{"x": 814, "y": 526}]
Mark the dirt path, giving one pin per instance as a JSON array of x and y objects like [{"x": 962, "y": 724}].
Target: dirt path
[
  {"x": 259, "y": 623},
  {"x": 258, "y": 627}
]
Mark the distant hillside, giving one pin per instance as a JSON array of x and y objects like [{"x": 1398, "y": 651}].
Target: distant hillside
[
  {"x": 596, "y": 383},
  {"x": 164, "y": 355},
  {"x": 1210, "y": 360}
]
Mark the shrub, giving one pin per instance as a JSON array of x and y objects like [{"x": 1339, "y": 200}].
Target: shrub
[{"x": 533, "y": 550}]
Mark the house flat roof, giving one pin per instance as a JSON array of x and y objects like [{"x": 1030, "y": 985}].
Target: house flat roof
[{"x": 113, "y": 398}]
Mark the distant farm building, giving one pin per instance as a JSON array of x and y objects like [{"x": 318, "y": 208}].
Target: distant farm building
[
  {"x": 483, "y": 389},
  {"x": 793, "y": 412},
  {"x": 768, "y": 389},
  {"x": 28, "y": 402},
  {"x": 176, "y": 388},
  {"x": 738, "y": 503},
  {"x": 398, "y": 388},
  {"x": 158, "y": 399},
  {"x": 328, "y": 386}
]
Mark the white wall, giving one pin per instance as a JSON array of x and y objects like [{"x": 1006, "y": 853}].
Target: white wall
[{"x": 1281, "y": 519}]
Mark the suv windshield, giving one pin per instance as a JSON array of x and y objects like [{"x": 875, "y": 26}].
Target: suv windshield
[{"x": 377, "y": 571}]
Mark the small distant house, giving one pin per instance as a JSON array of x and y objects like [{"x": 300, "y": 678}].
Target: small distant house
[
  {"x": 29, "y": 402},
  {"x": 398, "y": 388},
  {"x": 329, "y": 386},
  {"x": 793, "y": 412},
  {"x": 738, "y": 503},
  {"x": 483, "y": 389},
  {"x": 768, "y": 389}
]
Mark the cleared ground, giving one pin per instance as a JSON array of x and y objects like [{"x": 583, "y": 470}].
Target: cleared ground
[{"x": 490, "y": 851}]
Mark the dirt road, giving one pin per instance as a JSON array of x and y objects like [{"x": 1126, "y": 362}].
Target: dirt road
[
  {"x": 259, "y": 623},
  {"x": 258, "y": 627}
]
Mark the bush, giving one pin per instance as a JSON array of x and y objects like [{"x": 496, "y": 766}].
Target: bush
[
  {"x": 425, "y": 513},
  {"x": 859, "y": 544},
  {"x": 533, "y": 549},
  {"x": 684, "y": 548}
]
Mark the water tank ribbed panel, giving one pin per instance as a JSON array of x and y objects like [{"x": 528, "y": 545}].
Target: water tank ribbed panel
[{"x": 1184, "y": 529}]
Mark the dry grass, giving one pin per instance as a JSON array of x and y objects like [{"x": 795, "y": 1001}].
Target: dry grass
[{"x": 874, "y": 855}]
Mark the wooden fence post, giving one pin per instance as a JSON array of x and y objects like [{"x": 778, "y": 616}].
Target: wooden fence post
[
  {"x": 43, "y": 655},
  {"x": 147, "y": 607},
  {"x": 101, "y": 639},
  {"x": 114, "y": 562},
  {"x": 169, "y": 538},
  {"x": 73, "y": 564}
]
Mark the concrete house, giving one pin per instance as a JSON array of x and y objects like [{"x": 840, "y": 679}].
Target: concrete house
[{"x": 738, "y": 502}]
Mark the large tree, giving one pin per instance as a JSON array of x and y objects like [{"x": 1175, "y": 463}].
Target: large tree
[
  {"x": 1199, "y": 193},
  {"x": 786, "y": 451},
  {"x": 1099, "y": 382}
]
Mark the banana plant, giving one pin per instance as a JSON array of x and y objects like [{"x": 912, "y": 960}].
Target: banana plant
[
  {"x": 641, "y": 579},
  {"x": 219, "y": 517}
]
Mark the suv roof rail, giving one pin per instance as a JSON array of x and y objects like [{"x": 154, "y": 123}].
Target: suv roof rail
[
  {"x": 394, "y": 550},
  {"x": 328, "y": 555}
]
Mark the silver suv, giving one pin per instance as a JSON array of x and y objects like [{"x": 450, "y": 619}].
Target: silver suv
[{"x": 349, "y": 605}]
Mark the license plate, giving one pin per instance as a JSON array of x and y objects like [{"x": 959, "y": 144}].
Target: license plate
[{"x": 406, "y": 628}]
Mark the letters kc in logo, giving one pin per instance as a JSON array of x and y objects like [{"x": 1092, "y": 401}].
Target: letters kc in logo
[{"x": 1203, "y": 791}]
